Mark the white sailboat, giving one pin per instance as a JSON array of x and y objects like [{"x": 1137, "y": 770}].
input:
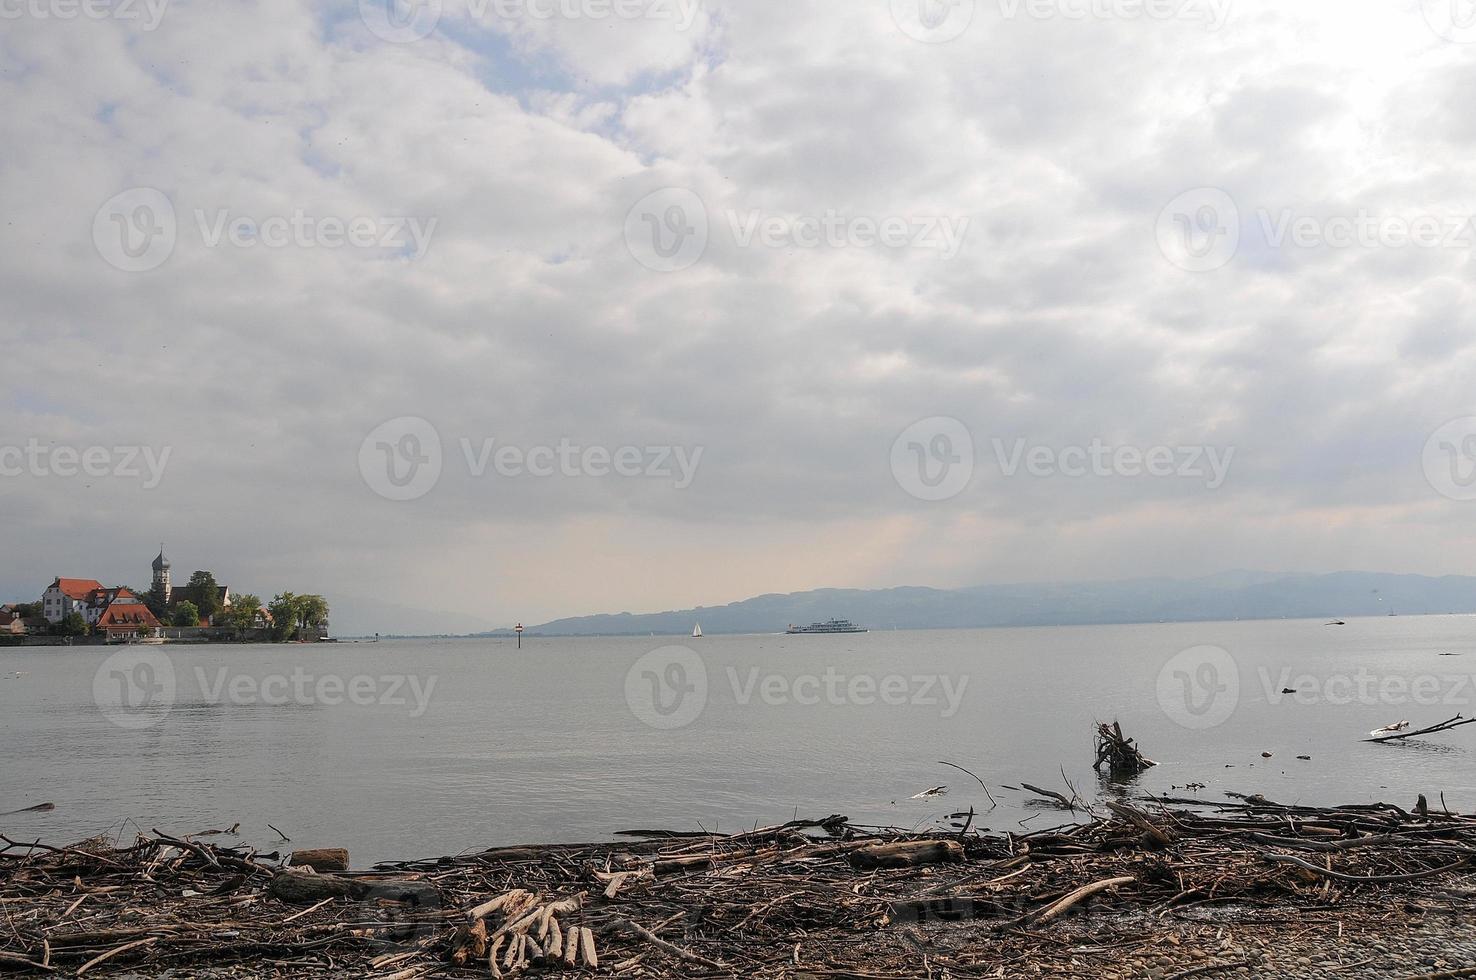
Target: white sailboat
[{"x": 696, "y": 631}]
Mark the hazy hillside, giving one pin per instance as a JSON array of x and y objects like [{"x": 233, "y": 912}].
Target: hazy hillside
[{"x": 1243, "y": 595}]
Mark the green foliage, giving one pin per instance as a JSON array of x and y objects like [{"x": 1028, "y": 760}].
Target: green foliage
[
  {"x": 27, "y": 610},
  {"x": 185, "y": 614},
  {"x": 204, "y": 592},
  {"x": 284, "y": 616},
  {"x": 243, "y": 611},
  {"x": 73, "y": 625},
  {"x": 312, "y": 612},
  {"x": 297, "y": 615},
  {"x": 154, "y": 599}
]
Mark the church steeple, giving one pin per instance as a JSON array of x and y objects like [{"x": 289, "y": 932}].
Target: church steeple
[{"x": 161, "y": 576}]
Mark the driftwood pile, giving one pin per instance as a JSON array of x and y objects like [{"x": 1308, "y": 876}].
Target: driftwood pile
[
  {"x": 806, "y": 898},
  {"x": 1118, "y": 753}
]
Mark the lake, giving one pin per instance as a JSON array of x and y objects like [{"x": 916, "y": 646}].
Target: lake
[{"x": 419, "y": 748}]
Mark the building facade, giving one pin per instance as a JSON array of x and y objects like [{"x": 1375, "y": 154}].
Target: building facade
[
  {"x": 122, "y": 613},
  {"x": 117, "y": 609},
  {"x": 66, "y": 596}
]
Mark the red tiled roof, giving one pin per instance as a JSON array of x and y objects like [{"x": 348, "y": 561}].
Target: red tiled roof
[
  {"x": 76, "y": 588},
  {"x": 125, "y": 613}
]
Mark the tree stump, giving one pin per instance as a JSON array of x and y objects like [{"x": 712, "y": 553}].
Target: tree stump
[{"x": 1118, "y": 752}]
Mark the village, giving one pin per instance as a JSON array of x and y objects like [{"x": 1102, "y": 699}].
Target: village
[{"x": 85, "y": 611}]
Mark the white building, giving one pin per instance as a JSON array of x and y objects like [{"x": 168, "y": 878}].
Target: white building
[{"x": 66, "y": 596}]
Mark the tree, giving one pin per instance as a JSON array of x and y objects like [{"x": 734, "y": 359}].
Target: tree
[
  {"x": 154, "y": 600},
  {"x": 27, "y": 610},
  {"x": 185, "y": 614},
  {"x": 72, "y": 625},
  {"x": 243, "y": 611},
  {"x": 294, "y": 615},
  {"x": 205, "y": 594},
  {"x": 312, "y": 612},
  {"x": 146, "y": 596},
  {"x": 284, "y": 610}
]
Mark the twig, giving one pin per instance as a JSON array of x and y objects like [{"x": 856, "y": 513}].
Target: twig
[
  {"x": 1385, "y": 879},
  {"x": 115, "y": 952},
  {"x": 1209, "y": 968},
  {"x": 659, "y": 943},
  {"x": 1444, "y": 726},
  {"x": 992, "y": 802}
]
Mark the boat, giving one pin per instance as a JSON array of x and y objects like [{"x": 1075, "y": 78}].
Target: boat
[
  {"x": 697, "y": 631},
  {"x": 831, "y": 626}
]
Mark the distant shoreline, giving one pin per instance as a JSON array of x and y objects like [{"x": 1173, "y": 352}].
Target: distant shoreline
[
  {"x": 1222, "y": 597},
  {"x": 530, "y": 635},
  {"x": 18, "y": 642}
]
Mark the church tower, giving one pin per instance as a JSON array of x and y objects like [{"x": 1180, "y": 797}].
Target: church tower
[{"x": 161, "y": 576}]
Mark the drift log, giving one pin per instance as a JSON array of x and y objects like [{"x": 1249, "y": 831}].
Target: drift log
[
  {"x": 908, "y": 854},
  {"x": 1042, "y": 916},
  {"x": 321, "y": 859},
  {"x": 308, "y": 888}
]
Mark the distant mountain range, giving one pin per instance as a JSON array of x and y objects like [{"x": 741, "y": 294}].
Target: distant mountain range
[{"x": 1229, "y": 595}]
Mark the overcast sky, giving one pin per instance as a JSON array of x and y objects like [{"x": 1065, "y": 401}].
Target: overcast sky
[{"x": 775, "y": 295}]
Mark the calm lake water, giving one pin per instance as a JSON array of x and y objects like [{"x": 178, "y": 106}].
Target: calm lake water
[{"x": 420, "y": 748}]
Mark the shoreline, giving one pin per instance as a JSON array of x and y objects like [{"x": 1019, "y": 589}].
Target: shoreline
[
  {"x": 1149, "y": 888},
  {"x": 31, "y": 642}
]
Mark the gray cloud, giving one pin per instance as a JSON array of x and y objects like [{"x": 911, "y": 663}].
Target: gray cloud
[{"x": 527, "y": 319}]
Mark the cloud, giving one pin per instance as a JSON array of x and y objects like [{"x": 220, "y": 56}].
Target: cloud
[{"x": 521, "y": 142}]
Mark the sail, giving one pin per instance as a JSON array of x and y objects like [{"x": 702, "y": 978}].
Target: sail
[{"x": 697, "y": 630}]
